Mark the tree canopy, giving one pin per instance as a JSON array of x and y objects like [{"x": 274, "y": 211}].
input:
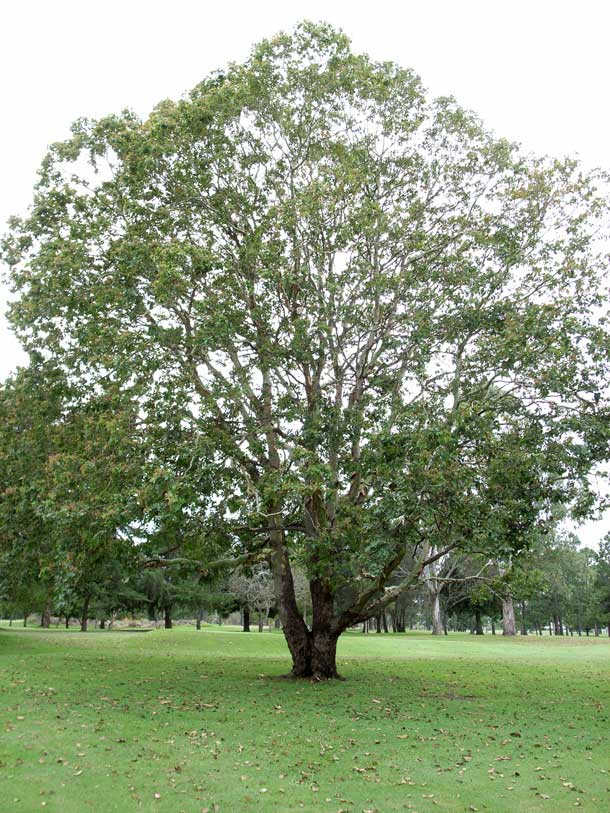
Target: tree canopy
[{"x": 358, "y": 329}]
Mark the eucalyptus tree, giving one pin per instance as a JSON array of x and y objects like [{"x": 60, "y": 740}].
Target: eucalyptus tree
[{"x": 332, "y": 281}]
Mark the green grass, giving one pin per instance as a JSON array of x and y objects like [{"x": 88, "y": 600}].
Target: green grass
[{"x": 105, "y": 721}]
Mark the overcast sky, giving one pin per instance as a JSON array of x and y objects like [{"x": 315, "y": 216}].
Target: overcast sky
[{"x": 536, "y": 72}]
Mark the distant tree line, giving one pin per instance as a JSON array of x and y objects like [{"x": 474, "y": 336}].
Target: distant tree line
[{"x": 555, "y": 588}]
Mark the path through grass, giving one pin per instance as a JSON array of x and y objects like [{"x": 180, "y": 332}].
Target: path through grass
[{"x": 199, "y": 721}]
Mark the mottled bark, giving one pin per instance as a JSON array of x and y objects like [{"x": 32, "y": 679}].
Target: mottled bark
[
  {"x": 437, "y": 620},
  {"x": 508, "y": 616}
]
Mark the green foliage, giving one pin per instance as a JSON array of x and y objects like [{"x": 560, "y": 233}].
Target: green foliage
[{"x": 69, "y": 468}]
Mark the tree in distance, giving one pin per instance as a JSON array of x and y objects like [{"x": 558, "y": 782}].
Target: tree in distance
[{"x": 371, "y": 324}]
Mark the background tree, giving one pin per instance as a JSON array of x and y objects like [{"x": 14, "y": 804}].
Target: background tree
[
  {"x": 254, "y": 591},
  {"x": 70, "y": 467},
  {"x": 602, "y": 580}
]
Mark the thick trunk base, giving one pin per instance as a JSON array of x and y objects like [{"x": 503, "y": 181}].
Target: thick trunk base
[
  {"x": 316, "y": 657},
  {"x": 324, "y": 656}
]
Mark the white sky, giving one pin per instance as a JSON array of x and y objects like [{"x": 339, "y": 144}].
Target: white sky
[{"x": 537, "y": 72}]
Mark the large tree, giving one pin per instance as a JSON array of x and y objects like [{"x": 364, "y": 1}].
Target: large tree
[{"x": 348, "y": 296}]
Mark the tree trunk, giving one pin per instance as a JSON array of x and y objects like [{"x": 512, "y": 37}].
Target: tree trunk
[
  {"x": 493, "y": 626},
  {"x": 384, "y": 621},
  {"x": 102, "y": 623},
  {"x": 295, "y": 630},
  {"x": 478, "y": 625},
  {"x": 67, "y": 622},
  {"x": 167, "y": 616},
  {"x": 314, "y": 653},
  {"x": 523, "y": 625},
  {"x": 261, "y": 622},
  {"x": 437, "y": 621},
  {"x": 45, "y": 618},
  {"x": 378, "y": 623},
  {"x": 324, "y": 654},
  {"x": 85, "y": 615},
  {"x": 508, "y": 616},
  {"x": 25, "y": 620},
  {"x": 246, "y": 619},
  {"x": 198, "y": 617},
  {"x": 324, "y": 634}
]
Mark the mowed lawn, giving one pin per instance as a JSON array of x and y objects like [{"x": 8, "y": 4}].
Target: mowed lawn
[{"x": 200, "y": 721}]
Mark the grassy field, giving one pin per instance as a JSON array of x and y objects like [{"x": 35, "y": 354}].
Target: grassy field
[{"x": 199, "y": 721}]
